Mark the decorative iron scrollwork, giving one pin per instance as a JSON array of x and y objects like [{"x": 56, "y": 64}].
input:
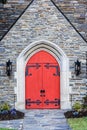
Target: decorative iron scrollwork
[
  {"x": 56, "y": 102},
  {"x": 30, "y": 66},
  {"x": 55, "y": 66},
  {"x": 29, "y": 102}
]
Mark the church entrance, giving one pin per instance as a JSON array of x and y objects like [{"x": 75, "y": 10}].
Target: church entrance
[{"x": 42, "y": 81}]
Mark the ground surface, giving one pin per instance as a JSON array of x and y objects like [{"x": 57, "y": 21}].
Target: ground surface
[
  {"x": 41, "y": 119},
  {"x": 5, "y": 129},
  {"x": 78, "y": 123}
]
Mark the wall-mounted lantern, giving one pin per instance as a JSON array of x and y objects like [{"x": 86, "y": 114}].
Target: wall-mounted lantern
[
  {"x": 77, "y": 67},
  {"x": 3, "y": 1},
  {"x": 8, "y": 68}
]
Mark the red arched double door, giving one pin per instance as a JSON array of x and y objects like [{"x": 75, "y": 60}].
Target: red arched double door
[{"x": 42, "y": 79}]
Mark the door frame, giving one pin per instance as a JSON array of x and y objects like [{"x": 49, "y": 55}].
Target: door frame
[{"x": 61, "y": 58}]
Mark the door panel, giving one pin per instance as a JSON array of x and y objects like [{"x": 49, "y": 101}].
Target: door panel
[
  {"x": 42, "y": 57},
  {"x": 42, "y": 80},
  {"x": 51, "y": 84},
  {"x": 33, "y": 86}
]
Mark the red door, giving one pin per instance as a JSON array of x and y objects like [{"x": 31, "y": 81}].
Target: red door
[{"x": 42, "y": 81}]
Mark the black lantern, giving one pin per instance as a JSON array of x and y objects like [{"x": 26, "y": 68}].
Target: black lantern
[
  {"x": 3, "y": 1},
  {"x": 8, "y": 68},
  {"x": 77, "y": 67}
]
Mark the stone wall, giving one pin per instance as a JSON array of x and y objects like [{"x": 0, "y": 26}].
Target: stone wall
[
  {"x": 74, "y": 10},
  {"x": 42, "y": 20}
]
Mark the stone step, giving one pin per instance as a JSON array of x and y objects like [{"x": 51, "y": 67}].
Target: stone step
[{"x": 38, "y": 120}]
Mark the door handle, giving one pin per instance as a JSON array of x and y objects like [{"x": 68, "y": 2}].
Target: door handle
[{"x": 42, "y": 91}]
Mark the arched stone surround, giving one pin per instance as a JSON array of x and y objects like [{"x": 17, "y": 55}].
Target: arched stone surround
[{"x": 63, "y": 61}]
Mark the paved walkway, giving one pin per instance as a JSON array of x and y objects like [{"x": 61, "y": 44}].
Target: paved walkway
[{"x": 39, "y": 120}]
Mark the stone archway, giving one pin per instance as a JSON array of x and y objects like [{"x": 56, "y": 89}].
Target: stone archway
[{"x": 63, "y": 61}]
